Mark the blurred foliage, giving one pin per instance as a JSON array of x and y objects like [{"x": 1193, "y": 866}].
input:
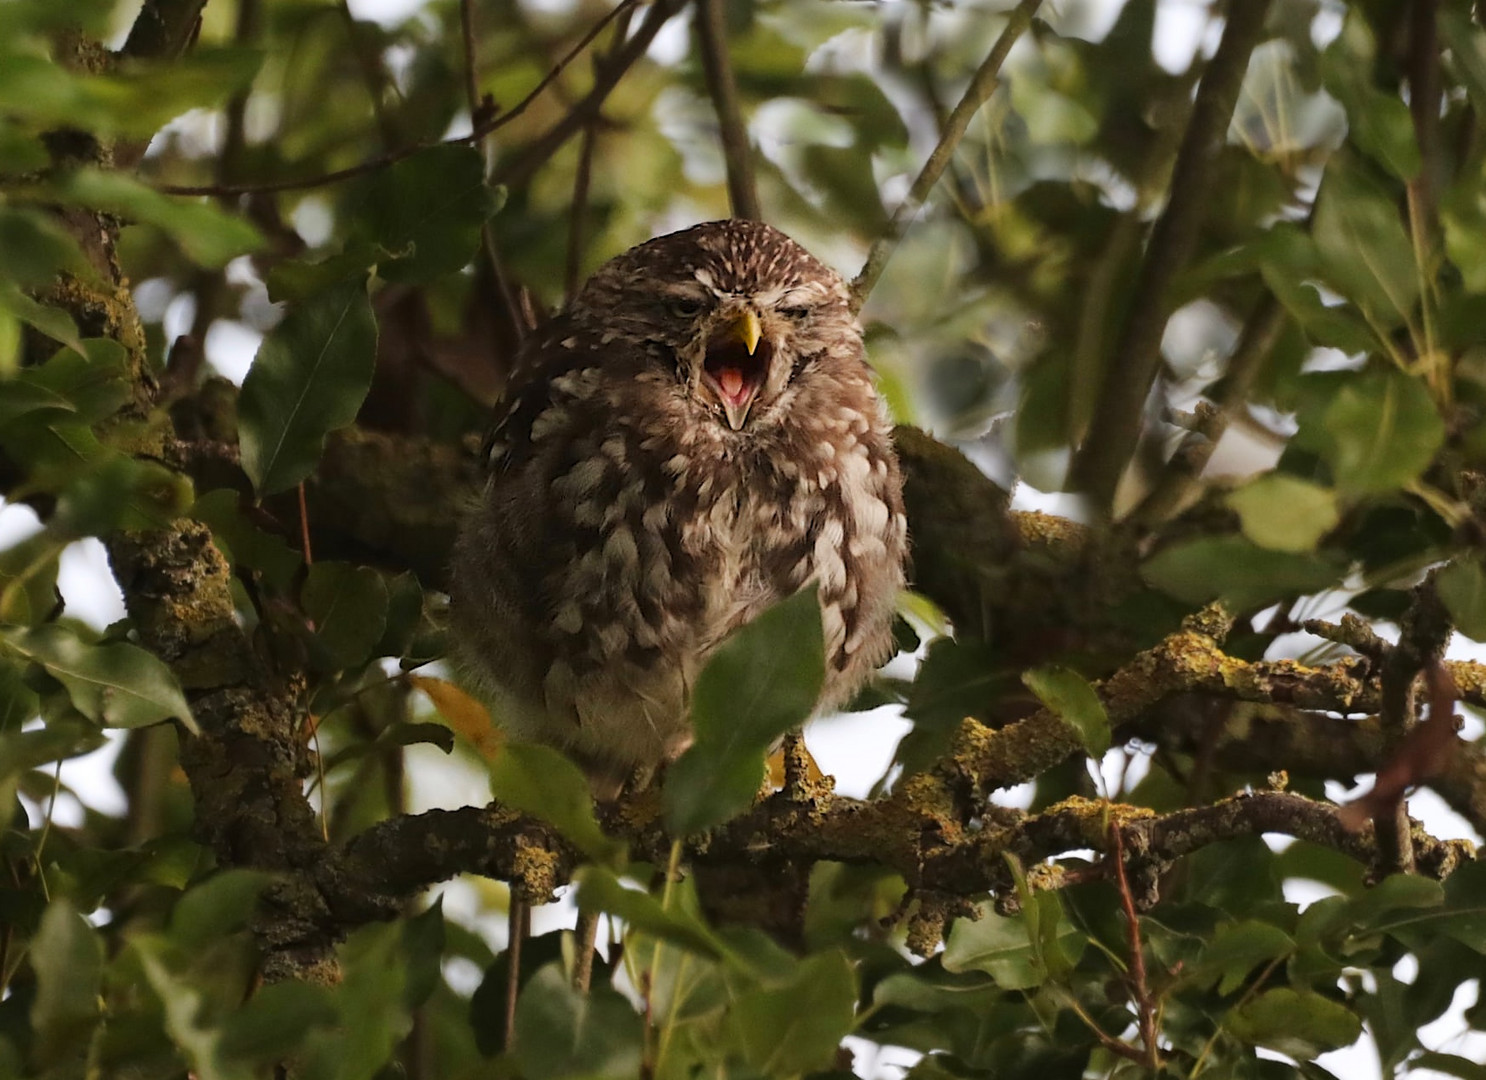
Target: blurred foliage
[{"x": 1333, "y": 317}]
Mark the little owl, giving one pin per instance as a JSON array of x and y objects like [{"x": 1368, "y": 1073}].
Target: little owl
[{"x": 695, "y": 438}]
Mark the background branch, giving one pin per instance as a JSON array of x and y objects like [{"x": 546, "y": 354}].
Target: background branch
[
  {"x": 1132, "y": 367},
  {"x": 717, "y": 69},
  {"x": 163, "y": 29}
]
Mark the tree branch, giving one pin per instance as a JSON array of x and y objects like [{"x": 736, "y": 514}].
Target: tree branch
[
  {"x": 480, "y": 130},
  {"x": 1256, "y": 341},
  {"x": 982, "y": 85},
  {"x": 1101, "y": 460},
  {"x": 717, "y": 69},
  {"x": 163, "y": 29}
]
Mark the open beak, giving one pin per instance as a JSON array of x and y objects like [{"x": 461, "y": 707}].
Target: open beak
[{"x": 736, "y": 365}]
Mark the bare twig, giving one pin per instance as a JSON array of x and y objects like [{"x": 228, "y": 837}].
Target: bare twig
[
  {"x": 982, "y": 85},
  {"x": 717, "y": 68},
  {"x": 382, "y": 160},
  {"x": 584, "y": 174},
  {"x": 503, "y": 290},
  {"x": 373, "y": 75},
  {"x": 518, "y": 926},
  {"x": 1257, "y": 340},
  {"x": 1144, "y": 1004},
  {"x": 1115, "y": 431},
  {"x": 586, "y": 933}
]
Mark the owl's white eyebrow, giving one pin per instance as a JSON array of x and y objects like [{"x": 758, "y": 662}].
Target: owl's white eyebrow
[{"x": 686, "y": 292}]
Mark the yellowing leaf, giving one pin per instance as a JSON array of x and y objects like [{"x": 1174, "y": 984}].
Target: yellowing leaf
[{"x": 462, "y": 713}]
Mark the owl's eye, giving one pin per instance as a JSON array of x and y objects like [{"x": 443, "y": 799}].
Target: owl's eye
[
  {"x": 795, "y": 314},
  {"x": 684, "y": 309}
]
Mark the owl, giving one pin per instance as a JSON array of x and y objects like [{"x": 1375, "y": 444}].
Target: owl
[{"x": 695, "y": 438}]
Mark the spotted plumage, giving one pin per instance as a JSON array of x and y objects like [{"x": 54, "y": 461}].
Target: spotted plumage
[{"x": 695, "y": 438}]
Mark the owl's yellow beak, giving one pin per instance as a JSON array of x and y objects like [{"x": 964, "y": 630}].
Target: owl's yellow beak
[
  {"x": 747, "y": 330},
  {"x": 736, "y": 365}
]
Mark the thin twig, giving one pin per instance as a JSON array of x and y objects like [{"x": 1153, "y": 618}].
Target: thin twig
[
  {"x": 982, "y": 85},
  {"x": 1255, "y": 342},
  {"x": 573, "y": 274},
  {"x": 1138, "y": 986},
  {"x": 503, "y": 290},
  {"x": 1115, "y": 431},
  {"x": 717, "y": 69},
  {"x": 519, "y": 170},
  {"x": 583, "y": 176},
  {"x": 478, "y": 133},
  {"x": 587, "y": 934},
  {"x": 372, "y": 75},
  {"x": 517, "y": 926}
]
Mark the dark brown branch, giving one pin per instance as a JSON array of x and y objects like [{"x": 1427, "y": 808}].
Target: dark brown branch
[
  {"x": 1101, "y": 460},
  {"x": 717, "y": 69},
  {"x": 907, "y": 832},
  {"x": 982, "y": 85},
  {"x": 1423, "y": 66},
  {"x": 163, "y": 29},
  {"x": 479, "y": 132}
]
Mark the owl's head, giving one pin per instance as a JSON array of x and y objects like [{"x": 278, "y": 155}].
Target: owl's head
[{"x": 738, "y": 310}]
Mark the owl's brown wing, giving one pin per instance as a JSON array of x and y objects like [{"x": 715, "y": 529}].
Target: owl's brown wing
[{"x": 558, "y": 350}]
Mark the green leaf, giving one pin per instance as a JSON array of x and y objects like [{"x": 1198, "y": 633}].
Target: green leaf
[
  {"x": 51, "y": 321},
  {"x": 1363, "y": 248},
  {"x": 36, "y": 248},
  {"x": 1065, "y": 692},
  {"x": 423, "y": 945},
  {"x": 795, "y": 1028},
  {"x": 1237, "y": 571},
  {"x": 218, "y": 906},
  {"x": 59, "y": 740},
  {"x": 245, "y": 544},
  {"x": 538, "y": 780},
  {"x": 1381, "y": 431},
  {"x": 188, "y": 1008},
  {"x": 93, "y": 378},
  {"x": 273, "y": 1023},
  {"x": 68, "y": 961},
  {"x": 207, "y": 234},
  {"x": 1284, "y": 513},
  {"x": 132, "y": 98},
  {"x": 431, "y": 205},
  {"x": 1449, "y": 1064},
  {"x": 117, "y": 685},
  {"x": 1463, "y": 215},
  {"x": 309, "y": 378},
  {"x": 1237, "y": 949},
  {"x": 121, "y": 493},
  {"x": 1007, "y": 948},
  {"x": 1462, "y": 589},
  {"x": 561, "y": 1033},
  {"x": 1299, "y": 1023},
  {"x": 349, "y": 607},
  {"x": 600, "y": 890},
  {"x": 1379, "y": 122},
  {"x": 762, "y": 681}
]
